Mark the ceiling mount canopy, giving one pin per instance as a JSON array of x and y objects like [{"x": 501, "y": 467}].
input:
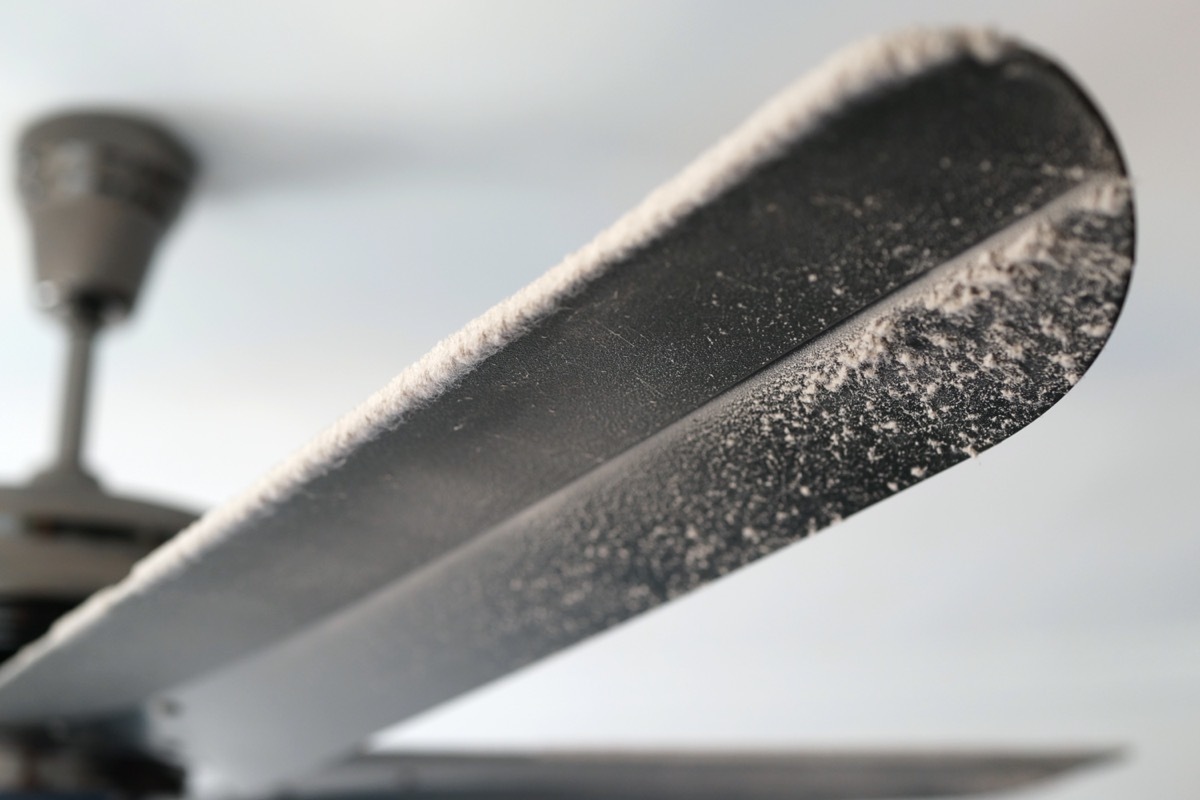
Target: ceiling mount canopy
[{"x": 100, "y": 190}]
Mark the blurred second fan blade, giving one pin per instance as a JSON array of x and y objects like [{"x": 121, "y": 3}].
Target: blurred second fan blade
[{"x": 689, "y": 776}]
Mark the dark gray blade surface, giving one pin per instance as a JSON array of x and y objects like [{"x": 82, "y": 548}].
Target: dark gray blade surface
[
  {"x": 909, "y": 277},
  {"x": 689, "y": 776},
  {"x": 891, "y": 397}
]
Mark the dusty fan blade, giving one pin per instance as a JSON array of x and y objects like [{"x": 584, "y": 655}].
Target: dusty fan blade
[
  {"x": 898, "y": 263},
  {"x": 688, "y": 776}
]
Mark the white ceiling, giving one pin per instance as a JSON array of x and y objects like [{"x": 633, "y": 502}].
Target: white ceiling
[{"x": 377, "y": 173}]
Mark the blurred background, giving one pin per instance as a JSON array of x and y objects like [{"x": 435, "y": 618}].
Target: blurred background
[{"x": 378, "y": 173}]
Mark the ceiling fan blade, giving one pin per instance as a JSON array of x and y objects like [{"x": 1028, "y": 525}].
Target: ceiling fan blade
[
  {"x": 690, "y": 776},
  {"x": 898, "y": 263}
]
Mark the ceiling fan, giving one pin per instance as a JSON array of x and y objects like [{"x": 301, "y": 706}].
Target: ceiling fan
[{"x": 896, "y": 264}]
